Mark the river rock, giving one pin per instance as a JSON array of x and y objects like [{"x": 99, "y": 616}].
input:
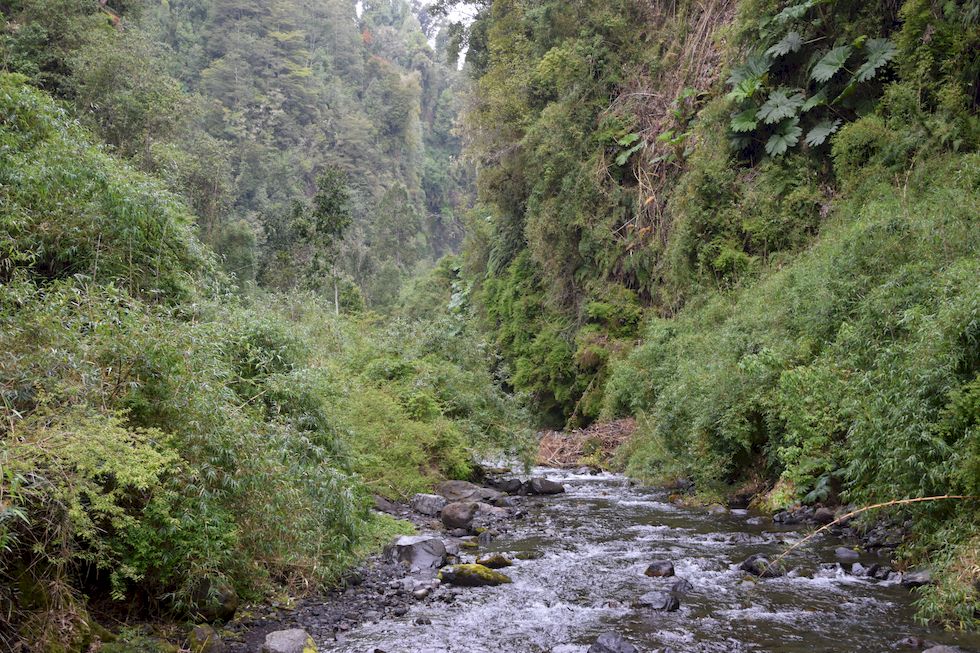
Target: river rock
[
  {"x": 494, "y": 561},
  {"x": 681, "y": 586},
  {"x": 917, "y": 578},
  {"x": 846, "y": 554},
  {"x": 456, "y": 491},
  {"x": 418, "y": 551},
  {"x": 295, "y": 640},
  {"x": 486, "y": 514},
  {"x": 824, "y": 515},
  {"x": 472, "y": 576},
  {"x": 205, "y": 639},
  {"x": 758, "y": 565},
  {"x": 428, "y": 504},
  {"x": 540, "y": 485},
  {"x": 509, "y": 485},
  {"x": 459, "y": 514},
  {"x": 612, "y": 643},
  {"x": 660, "y": 569},
  {"x": 663, "y": 601},
  {"x": 214, "y": 601}
]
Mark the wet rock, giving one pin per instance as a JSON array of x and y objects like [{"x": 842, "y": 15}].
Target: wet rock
[
  {"x": 612, "y": 643},
  {"x": 428, "y": 504},
  {"x": 660, "y": 569},
  {"x": 459, "y": 514},
  {"x": 214, "y": 601},
  {"x": 845, "y": 554},
  {"x": 509, "y": 485},
  {"x": 857, "y": 569},
  {"x": 205, "y": 639},
  {"x": 418, "y": 551},
  {"x": 916, "y": 578},
  {"x": 681, "y": 586},
  {"x": 472, "y": 576},
  {"x": 824, "y": 515},
  {"x": 663, "y": 601},
  {"x": 456, "y": 491},
  {"x": 880, "y": 573},
  {"x": 539, "y": 485},
  {"x": 758, "y": 565},
  {"x": 494, "y": 561},
  {"x": 295, "y": 640},
  {"x": 786, "y": 517},
  {"x": 487, "y": 514}
]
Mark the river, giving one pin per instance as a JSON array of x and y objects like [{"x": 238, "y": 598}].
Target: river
[{"x": 586, "y": 553}]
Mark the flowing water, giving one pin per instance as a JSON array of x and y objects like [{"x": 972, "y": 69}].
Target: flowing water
[{"x": 594, "y": 544}]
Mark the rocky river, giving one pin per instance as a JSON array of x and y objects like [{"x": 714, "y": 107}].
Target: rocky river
[{"x": 606, "y": 566}]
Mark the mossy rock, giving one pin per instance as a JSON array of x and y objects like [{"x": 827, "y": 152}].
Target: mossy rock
[
  {"x": 472, "y": 576},
  {"x": 494, "y": 561}
]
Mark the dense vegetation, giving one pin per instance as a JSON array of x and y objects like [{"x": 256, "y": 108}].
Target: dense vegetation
[
  {"x": 237, "y": 297},
  {"x": 170, "y": 429},
  {"x": 753, "y": 225}
]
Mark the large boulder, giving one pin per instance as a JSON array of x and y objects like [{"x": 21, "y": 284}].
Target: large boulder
[
  {"x": 660, "y": 569},
  {"x": 540, "y": 485},
  {"x": 428, "y": 504},
  {"x": 455, "y": 491},
  {"x": 612, "y": 643},
  {"x": 459, "y": 514},
  {"x": 663, "y": 601},
  {"x": 418, "y": 551},
  {"x": 214, "y": 601},
  {"x": 509, "y": 485},
  {"x": 295, "y": 640},
  {"x": 472, "y": 576}
]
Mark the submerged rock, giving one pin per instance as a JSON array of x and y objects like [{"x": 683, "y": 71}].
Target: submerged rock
[
  {"x": 418, "y": 551},
  {"x": 660, "y": 569},
  {"x": 472, "y": 576},
  {"x": 544, "y": 486},
  {"x": 494, "y": 561},
  {"x": 459, "y": 514},
  {"x": 612, "y": 643},
  {"x": 663, "y": 601},
  {"x": 428, "y": 504},
  {"x": 295, "y": 640}
]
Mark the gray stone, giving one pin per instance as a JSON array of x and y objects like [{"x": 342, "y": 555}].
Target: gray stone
[
  {"x": 660, "y": 569},
  {"x": 917, "y": 578},
  {"x": 681, "y": 586},
  {"x": 205, "y": 639},
  {"x": 418, "y": 551},
  {"x": 459, "y": 514},
  {"x": 295, "y": 640},
  {"x": 663, "y": 601},
  {"x": 824, "y": 515},
  {"x": 455, "y": 491},
  {"x": 758, "y": 565},
  {"x": 612, "y": 643},
  {"x": 428, "y": 504},
  {"x": 845, "y": 554},
  {"x": 539, "y": 485}
]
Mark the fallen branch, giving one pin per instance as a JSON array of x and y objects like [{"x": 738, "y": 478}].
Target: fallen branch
[{"x": 853, "y": 513}]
